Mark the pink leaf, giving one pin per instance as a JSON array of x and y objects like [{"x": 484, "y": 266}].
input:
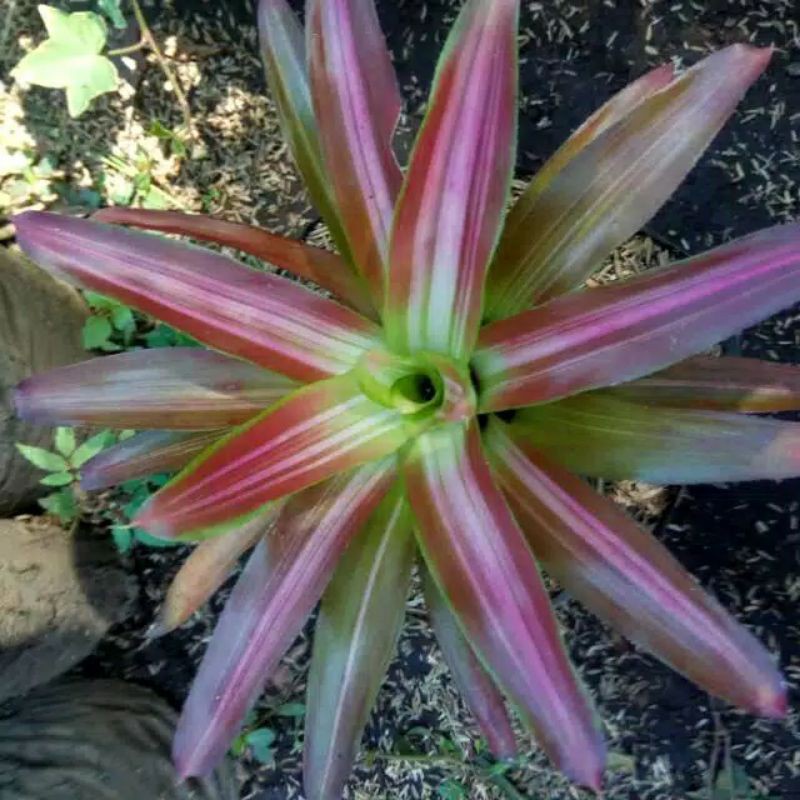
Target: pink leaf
[
  {"x": 627, "y": 577},
  {"x": 449, "y": 215},
  {"x": 611, "y": 180},
  {"x": 597, "y": 435},
  {"x": 283, "y": 581},
  {"x": 616, "y": 333},
  {"x": 357, "y": 104},
  {"x": 145, "y": 454},
  {"x": 326, "y": 269},
  {"x": 314, "y": 433},
  {"x": 355, "y": 637},
  {"x": 262, "y": 318},
  {"x": 171, "y": 388},
  {"x": 718, "y": 384},
  {"x": 210, "y": 564},
  {"x": 284, "y": 52},
  {"x": 482, "y": 564},
  {"x": 474, "y": 683}
]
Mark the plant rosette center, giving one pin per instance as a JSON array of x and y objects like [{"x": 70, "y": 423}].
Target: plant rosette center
[{"x": 425, "y": 387}]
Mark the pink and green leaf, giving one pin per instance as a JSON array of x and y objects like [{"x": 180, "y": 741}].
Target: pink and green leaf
[
  {"x": 449, "y": 215},
  {"x": 326, "y": 269},
  {"x": 480, "y": 561},
  {"x": 474, "y": 683},
  {"x": 628, "y": 578},
  {"x": 318, "y": 431},
  {"x": 284, "y": 579},
  {"x": 610, "y": 113},
  {"x": 171, "y": 388},
  {"x": 262, "y": 318},
  {"x": 357, "y": 104},
  {"x": 283, "y": 49},
  {"x": 144, "y": 454},
  {"x": 210, "y": 564},
  {"x": 718, "y": 384},
  {"x": 599, "y": 436},
  {"x": 616, "y": 333},
  {"x": 610, "y": 181},
  {"x": 355, "y": 637}
]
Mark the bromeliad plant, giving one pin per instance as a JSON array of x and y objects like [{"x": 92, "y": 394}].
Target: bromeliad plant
[{"x": 444, "y": 398}]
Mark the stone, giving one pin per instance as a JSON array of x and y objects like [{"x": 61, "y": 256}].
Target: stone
[
  {"x": 91, "y": 740},
  {"x": 59, "y": 594},
  {"x": 41, "y": 321}
]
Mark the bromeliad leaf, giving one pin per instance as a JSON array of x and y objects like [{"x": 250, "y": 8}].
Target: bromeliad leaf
[
  {"x": 326, "y": 269},
  {"x": 263, "y": 318},
  {"x": 597, "y": 435},
  {"x": 283, "y": 50},
  {"x": 482, "y": 564},
  {"x": 357, "y": 105},
  {"x": 628, "y": 578},
  {"x": 144, "y": 454},
  {"x": 623, "y": 331},
  {"x": 283, "y": 581},
  {"x": 448, "y": 217},
  {"x": 357, "y": 629},
  {"x": 475, "y": 684},
  {"x": 70, "y": 58},
  {"x": 318, "y": 431},
  {"x": 173, "y": 388},
  {"x": 596, "y": 196}
]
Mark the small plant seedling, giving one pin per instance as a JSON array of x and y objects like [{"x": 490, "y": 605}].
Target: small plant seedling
[
  {"x": 71, "y": 58},
  {"x": 62, "y": 465}
]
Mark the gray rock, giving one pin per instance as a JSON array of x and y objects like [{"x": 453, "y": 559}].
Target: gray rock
[
  {"x": 41, "y": 320},
  {"x": 59, "y": 594},
  {"x": 96, "y": 740}
]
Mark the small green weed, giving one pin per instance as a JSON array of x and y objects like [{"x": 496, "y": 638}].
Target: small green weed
[
  {"x": 62, "y": 465},
  {"x": 258, "y": 740}
]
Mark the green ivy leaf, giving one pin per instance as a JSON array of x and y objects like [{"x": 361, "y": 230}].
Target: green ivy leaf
[
  {"x": 260, "y": 742},
  {"x": 57, "y": 479},
  {"x": 70, "y": 58},
  {"x": 44, "y": 459},
  {"x": 96, "y": 331},
  {"x": 91, "y": 447},
  {"x": 65, "y": 441}
]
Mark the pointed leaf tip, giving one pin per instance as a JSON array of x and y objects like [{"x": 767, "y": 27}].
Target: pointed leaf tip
[{"x": 612, "y": 175}]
